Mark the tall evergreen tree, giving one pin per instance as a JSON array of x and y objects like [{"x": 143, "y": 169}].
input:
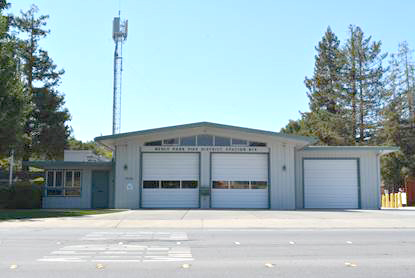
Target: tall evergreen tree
[
  {"x": 13, "y": 103},
  {"x": 327, "y": 115},
  {"x": 397, "y": 125},
  {"x": 46, "y": 129},
  {"x": 363, "y": 74}
]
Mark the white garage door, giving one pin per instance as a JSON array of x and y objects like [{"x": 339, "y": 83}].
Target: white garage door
[
  {"x": 330, "y": 183},
  {"x": 239, "y": 180},
  {"x": 170, "y": 180}
]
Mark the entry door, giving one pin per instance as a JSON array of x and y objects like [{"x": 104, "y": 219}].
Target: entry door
[
  {"x": 331, "y": 183},
  {"x": 100, "y": 189}
]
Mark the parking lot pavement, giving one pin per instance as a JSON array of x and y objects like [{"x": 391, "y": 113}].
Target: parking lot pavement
[{"x": 233, "y": 219}]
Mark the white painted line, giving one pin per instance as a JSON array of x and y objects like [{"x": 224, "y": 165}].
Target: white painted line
[
  {"x": 72, "y": 253},
  {"x": 118, "y": 261},
  {"x": 61, "y": 260}
]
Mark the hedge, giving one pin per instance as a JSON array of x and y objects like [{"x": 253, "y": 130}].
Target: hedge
[{"x": 22, "y": 195}]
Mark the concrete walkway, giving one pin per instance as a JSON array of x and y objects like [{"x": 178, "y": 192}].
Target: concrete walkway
[{"x": 230, "y": 219}]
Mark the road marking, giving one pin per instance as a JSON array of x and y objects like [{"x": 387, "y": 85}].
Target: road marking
[
  {"x": 119, "y": 253},
  {"x": 237, "y": 243},
  {"x": 100, "y": 266},
  {"x": 349, "y": 242},
  {"x": 186, "y": 265},
  {"x": 350, "y": 264},
  {"x": 291, "y": 242},
  {"x": 269, "y": 265},
  {"x": 13, "y": 266},
  {"x": 120, "y": 236}
]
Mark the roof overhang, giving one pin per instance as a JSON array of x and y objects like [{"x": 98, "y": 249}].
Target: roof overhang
[
  {"x": 382, "y": 150},
  {"x": 110, "y": 140},
  {"x": 47, "y": 164}
]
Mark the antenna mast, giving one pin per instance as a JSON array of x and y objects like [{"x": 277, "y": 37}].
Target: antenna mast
[{"x": 119, "y": 35}]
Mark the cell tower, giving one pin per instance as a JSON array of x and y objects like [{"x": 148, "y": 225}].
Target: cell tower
[{"x": 119, "y": 34}]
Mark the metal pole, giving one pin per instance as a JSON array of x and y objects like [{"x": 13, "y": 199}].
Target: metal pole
[{"x": 11, "y": 162}]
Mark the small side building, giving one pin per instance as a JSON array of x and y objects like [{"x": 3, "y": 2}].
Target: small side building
[{"x": 207, "y": 165}]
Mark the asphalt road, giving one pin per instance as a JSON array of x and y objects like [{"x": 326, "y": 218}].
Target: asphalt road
[{"x": 84, "y": 252}]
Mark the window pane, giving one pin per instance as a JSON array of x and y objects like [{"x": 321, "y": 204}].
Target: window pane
[
  {"x": 189, "y": 184},
  {"x": 50, "y": 178},
  {"x": 238, "y": 142},
  {"x": 153, "y": 143},
  {"x": 59, "y": 179},
  {"x": 205, "y": 140},
  {"x": 77, "y": 179},
  {"x": 258, "y": 184},
  {"x": 257, "y": 144},
  {"x": 74, "y": 191},
  {"x": 188, "y": 141},
  {"x": 55, "y": 192},
  {"x": 239, "y": 184},
  {"x": 150, "y": 184},
  {"x": 222, "y": 141},
  {"x": 172, "y": 141},
  {"x": 170, "y": 184},
  {"x": 220, "y": 184},
  {"x": 68, "y": 179}
]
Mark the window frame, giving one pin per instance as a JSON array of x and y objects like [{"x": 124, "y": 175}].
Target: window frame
[
  {"x": 234, "y": 144},
  {"x": 229, "y": 184},
  {"x": 63, "y": 187}
]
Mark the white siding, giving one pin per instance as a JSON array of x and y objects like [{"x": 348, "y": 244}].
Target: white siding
[
  {"x": 126, "y": 172},
  {"x": 282, "y": 176}
]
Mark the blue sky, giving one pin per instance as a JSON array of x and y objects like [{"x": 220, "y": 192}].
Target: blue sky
[{"x": 233, "y": 62}]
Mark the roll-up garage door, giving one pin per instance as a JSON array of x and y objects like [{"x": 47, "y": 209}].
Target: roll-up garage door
[
  {"x": 170, "y": 180},
  {"x": 239, "y": 180},
  {"x": 331, "y": 183}
]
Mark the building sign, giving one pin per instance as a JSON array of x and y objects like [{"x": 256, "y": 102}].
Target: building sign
[{"x": 205, "y": 148}]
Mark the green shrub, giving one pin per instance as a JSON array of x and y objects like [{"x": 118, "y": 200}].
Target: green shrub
[
  {"x": 23, "y": 195},
  {"x": 4, "y": 196}
]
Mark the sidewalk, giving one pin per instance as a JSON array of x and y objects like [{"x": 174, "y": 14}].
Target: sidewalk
[{"x": 230, "y": 219}]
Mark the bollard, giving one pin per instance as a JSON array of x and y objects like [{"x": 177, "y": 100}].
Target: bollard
[{"x": 399, "y": 200}]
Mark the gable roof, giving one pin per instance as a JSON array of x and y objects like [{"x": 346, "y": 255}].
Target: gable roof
[{"x": 307, "y": 140}]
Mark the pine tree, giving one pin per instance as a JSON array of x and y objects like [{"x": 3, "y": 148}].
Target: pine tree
[
  {"x": 397, "y": 125},
  {"x": 45, "y": 129},
  {"x": 13, "y": 104},
  {"x": 327, "y": 116},
  {"x": 363, "y": 79}
]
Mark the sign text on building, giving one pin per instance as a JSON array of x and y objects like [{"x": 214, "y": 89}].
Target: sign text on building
[{"x": 204, "y": 148}]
